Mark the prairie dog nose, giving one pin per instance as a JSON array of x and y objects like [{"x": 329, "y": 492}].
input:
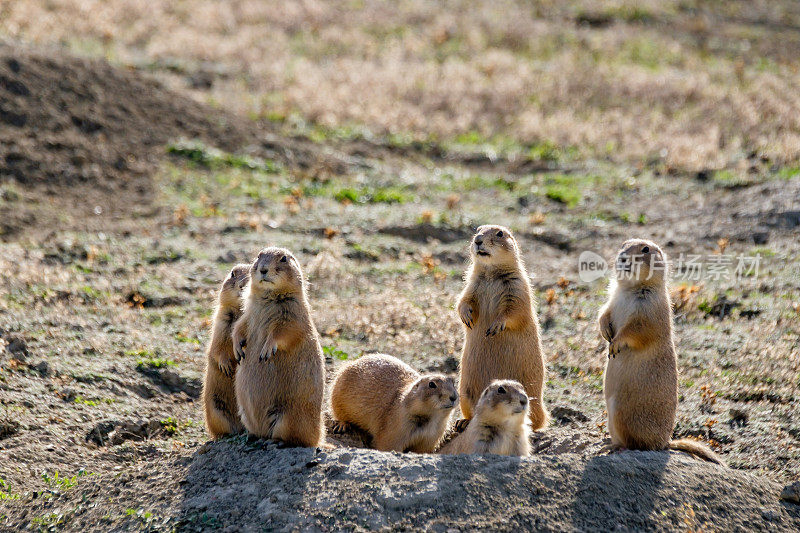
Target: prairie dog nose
[{"x": 478, "y": 241}]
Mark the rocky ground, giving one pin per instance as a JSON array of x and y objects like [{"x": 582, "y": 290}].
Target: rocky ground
[{"x": 114, "y": 242}]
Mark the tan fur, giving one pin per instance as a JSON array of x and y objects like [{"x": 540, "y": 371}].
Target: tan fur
[
  {"x": 394, "y": 403},
  {"x": 219, "y": 396},
  {"x": 281, "y": 377},
  {"x": 698, "y": 449},
  {"x": 641, "y": 377},
  {"x": 502, "y": 328},
  {"x": 501, "y": 424}
]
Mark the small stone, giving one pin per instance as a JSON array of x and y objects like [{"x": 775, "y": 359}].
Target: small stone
[
  {"x": 8, "y": 428},
  {"x": 566, "y": 415},
  {"x": 450, "y": 364},
  {"x": 345, "y": 458},
  {"x": 770, "y": 515},
  {"x": 17, "y": 347},
  {"x": 791, "y": 492},
  {"x": 171, "y": 379},
  {"x": 738, "y": 417},
  {"x": 68, "y": 395},
  {"x": 334, "y": 470},
  {"x": 43, "y": 368},
  {"x": 760, "y": 237},
  {"x": 227, "y": 257},
  {"x": 99, "y": 433}
]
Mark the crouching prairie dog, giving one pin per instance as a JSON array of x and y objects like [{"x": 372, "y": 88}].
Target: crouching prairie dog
[
  {"x": 281, "y": 375},
  {"x": 219, "y": 396},
  {"x": 501, "y": 424},
  {"x": 502, "y": 327},
  {"x": 401, "y": 409},
  {"x": 641, "y": 376}
]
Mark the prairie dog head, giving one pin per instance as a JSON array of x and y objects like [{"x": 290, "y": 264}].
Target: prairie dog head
[
  {"x": 231, "y": 290},
  {"x": 502, "y": 402},
  {"x": 640, "y": 262},
  {"x": 432, "y": 392},
  {"x": 494, "y": 245},
  {"x": 275, "y": 270}
]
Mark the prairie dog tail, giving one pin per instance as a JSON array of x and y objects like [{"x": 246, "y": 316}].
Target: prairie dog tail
[{"x": 697, "y": 449}]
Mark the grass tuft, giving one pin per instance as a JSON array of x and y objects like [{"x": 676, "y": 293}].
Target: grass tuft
[
  {"x": 154, "y": 363},
  {"x": 210, "y": 157}
]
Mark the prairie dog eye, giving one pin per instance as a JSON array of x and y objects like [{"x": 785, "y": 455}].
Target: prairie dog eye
[
  {"x": 501, "y": 390},
  {"x": 233, "y": 274},
  {"x": 432, "y": 385},
  {"x": 500, "y": 233},
  {"x": 646, "y": 250},
  {"x": 283, "y": 259}
]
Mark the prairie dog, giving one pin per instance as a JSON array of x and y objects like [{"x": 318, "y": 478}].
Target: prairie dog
[
  {"x": 502, "y": 328},
  {"x": 501, "y": 424},
  {"x": 403, "y": 410},
  {"x": 219, "y": 397},
  {"x": 281, "y": 376},
  {"x": 641, "y": 377}
]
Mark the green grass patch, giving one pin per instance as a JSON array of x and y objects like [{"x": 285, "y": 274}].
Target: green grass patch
[
  {"x": 49, "y": 520},
  {"x": 564, "y": 194},
  {"x": 4, "y": 494},
  {"x": 56, "y": 481},
  {"x": 787, "y": 173},
  {"x": 335, "y": 352},
  {"x": 368, "y": 195},
  {"x": 138, "y": 513},
  {"x": 141, "y": 353},
  {"x": 475, "y": 183},
  {"x": 154, "y": 363},
  {"x": 169, "y": 425},
  {"x": 729, "y": 179},
  {"x": 214, "y": 158},
  {"x": 83, "y": 269},
  {"x": 569, "y": 189},
  {"x": 92, "y": 403},
  {"x": 92, "y": 294},
  {"x": 763, "y": 251},
  {"x": 360, "y": 195},
  {"x": 545, "y": 150},
  {"x": 630, "y": 14},
  {"x": 180, "y": 337}
]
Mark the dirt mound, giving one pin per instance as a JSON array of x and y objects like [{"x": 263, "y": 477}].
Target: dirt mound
[
  {"x": 255, "y": 486},
  {"x": 86, "y": 136},
  {"x": 67, "y": 121}
]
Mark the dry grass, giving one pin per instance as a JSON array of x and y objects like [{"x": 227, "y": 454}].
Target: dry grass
[{"x": 690, "y": 84}]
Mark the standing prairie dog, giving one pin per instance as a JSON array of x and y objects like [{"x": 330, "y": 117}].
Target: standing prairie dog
[
  {"x": 402, "y": 410},
  {"x": 501, "y": 424},
  {"x": 502, "y": 328},
  {"x": 281, "y": 376},
  {"x": 641, "y": 377},
  {"x": 219, "y": 397}
]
